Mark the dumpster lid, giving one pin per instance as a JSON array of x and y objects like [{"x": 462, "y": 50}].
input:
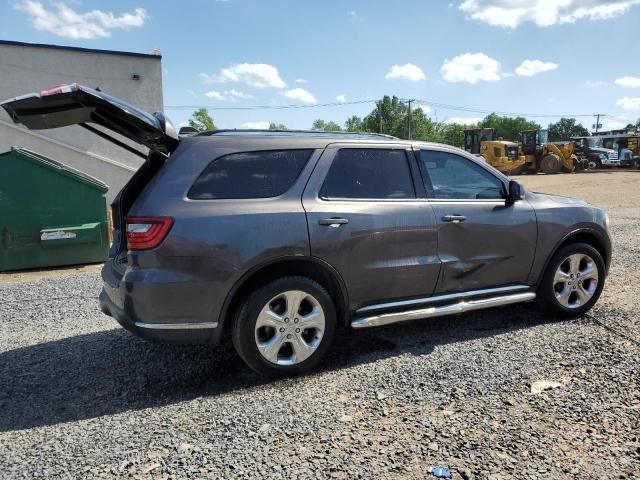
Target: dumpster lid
[
  {"x": 60, "y": 168},
  {"x": 74, "y": 104}
]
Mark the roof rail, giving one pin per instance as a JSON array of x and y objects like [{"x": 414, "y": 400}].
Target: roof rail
[{"x": 248, "y": 131}]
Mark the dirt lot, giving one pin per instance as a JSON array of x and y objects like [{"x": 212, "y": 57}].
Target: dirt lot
[{"x": 81, "y": 398}]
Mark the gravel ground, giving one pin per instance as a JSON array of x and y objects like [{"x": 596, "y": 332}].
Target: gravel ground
[{"x": 81, "y": 398}]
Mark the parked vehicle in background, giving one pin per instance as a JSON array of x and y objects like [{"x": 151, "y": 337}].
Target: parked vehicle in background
[
  {"x": 540, "y": 155},
  {"x": 597, "y": 156},
  {"x": 626, "y": 144},
  {"x": 283, "y": 239},
  {"x": 502, "y": 155}
]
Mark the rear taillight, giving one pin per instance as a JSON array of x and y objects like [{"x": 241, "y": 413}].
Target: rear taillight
[
  {"x": 144, "y": 233},
  {"x": 59, "y": 88}
]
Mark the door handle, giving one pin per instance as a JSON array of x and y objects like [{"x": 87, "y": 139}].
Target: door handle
[
  {"x": 333, "y": 222},
  {"x": 454, "y": 218}
]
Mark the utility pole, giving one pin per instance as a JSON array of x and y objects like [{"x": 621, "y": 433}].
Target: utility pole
[
  {"x": 380, "y": 115},
  {"x": 597, "y": 122},
  {"x": 410, "y": 118}
]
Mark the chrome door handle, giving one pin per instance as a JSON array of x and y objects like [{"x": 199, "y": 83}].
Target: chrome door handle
[
  {"x": 454, "y": 218},
  {"x": 333, "y": 222}
]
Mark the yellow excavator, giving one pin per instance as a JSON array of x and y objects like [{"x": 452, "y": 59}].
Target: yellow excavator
[
  {"x": 540, "y": 155},
  {"x": 502, "y": 155}
]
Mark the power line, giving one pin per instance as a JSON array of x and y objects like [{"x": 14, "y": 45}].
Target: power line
[{"x": 428, "y": 103}]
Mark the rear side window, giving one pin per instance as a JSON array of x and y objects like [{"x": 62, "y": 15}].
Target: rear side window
[
  {"x": 250, "y": 175},
  {"x": 369, "y": 174}
]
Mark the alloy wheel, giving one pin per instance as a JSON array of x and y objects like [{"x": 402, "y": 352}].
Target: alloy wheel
[
  {"x": 575, "y": 281},
  {"x": 290, "y": 327}
]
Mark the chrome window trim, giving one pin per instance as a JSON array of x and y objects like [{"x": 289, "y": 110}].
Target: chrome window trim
[{"x": 441, "y": 298}]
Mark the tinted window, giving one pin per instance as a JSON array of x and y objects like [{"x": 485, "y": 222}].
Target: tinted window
[
  {"x": 369, "y": 173},
  {"x": 451, "y": 176},
  {"x": 250, "y": 175}
]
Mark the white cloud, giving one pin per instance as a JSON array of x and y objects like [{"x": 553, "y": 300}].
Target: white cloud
[
  {"x": 231, "y": 95},
  {"x": 633, "y": 82},
  {"x": 544, "y": 13},
  {"x": 300, "y": 80},
  {"x": 258, "y": 75},
  {"x": 353, "y": 13},
  {"x": 595, "y": 84},
  {"x": 614, "y": 124},
  {"x": 471, "y": 68},
  {"x": 408, "y": 71},
  {"x": 63, "y": 21},
  {"x": 529, "y": 68},
  {"x": 341, "y": 98},
  {"x": 300, "y": 95},
  {"x": 261, "y": 125},
  {"x": 425, "y": 108},
  {"x": 629, "y": 103},
  {"x": 463, "y": 120}
]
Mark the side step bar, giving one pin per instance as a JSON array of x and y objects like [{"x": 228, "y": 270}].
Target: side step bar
[{"x": 441, "y": 310}]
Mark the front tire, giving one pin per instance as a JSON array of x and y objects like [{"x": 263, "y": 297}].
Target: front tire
[
  {"x": 550, "y": 163},
  {"x": 573, "y": 281},
  {"x": 285, "y": 327}
]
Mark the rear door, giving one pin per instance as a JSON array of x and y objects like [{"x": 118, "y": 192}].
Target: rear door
[
  {"x": 484, "y": 241},
  {"x": 368, "y": 218},
  {"x": 65, "y": 105}
]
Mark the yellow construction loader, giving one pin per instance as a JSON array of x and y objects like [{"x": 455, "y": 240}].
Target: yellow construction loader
[
  {"x": 503, "y": 156},
  {"x": 540, "y": 155}
]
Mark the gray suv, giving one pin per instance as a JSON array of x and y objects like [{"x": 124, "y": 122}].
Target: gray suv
[{"x": 281, "y": 239}]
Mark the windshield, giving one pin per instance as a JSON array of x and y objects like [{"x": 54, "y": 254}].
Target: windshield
[{"x": 593, "y": 142}]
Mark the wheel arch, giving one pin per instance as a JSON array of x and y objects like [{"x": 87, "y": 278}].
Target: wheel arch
[
  {"x": 306, "y": 266},
  {"x": 589, "y": 236}
]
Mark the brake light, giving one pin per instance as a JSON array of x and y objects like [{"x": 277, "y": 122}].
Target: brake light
[
  {"x": 59, "y": 88},
  {"x": 144, "y": 233}
]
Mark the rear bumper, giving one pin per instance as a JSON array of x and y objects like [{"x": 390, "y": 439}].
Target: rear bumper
[{"x": 157, "y": 310}]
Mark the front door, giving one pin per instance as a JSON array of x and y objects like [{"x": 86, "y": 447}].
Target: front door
[
  {"x": 368, "y": 218},
  {"x": 484, "y": 241}
]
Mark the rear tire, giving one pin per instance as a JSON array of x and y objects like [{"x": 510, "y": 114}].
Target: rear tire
[
  {"x": 573, "y": 281},
  {"x": 286, "y": 327},
  {"x": 550, "y": 163}
]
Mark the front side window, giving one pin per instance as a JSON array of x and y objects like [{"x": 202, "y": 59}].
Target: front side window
[
  {"x": 450, "y": 176},
  {"x": 250, "y": 175},
  {"x": 369, "y": 174}
]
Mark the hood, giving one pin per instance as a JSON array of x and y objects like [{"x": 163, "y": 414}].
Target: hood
[{"x": 548, "y": 198}]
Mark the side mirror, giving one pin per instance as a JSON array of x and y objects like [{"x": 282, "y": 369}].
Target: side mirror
[{"x": 516, "y": 191}]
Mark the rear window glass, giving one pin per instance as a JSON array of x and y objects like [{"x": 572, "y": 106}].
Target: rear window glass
[
  {"x": 250, "y": 175},
  {"x": 369, "y": 174}
]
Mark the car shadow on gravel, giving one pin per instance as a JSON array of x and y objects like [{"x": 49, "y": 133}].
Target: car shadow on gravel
[{"x": 110, "y": 372}]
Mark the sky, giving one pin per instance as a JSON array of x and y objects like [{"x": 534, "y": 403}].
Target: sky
[{"x": 459, "y": 59}]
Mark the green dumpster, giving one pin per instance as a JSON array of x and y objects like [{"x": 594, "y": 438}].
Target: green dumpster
[{"x": 50, "y": 214}]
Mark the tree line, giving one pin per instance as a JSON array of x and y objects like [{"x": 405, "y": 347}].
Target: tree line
[{"x": 392, "y": 116}]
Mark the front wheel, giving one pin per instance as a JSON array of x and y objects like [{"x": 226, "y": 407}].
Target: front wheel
[
  {"x": 573, "y": 280},
  {"x": 286, "y": 327},
  {"x": 550, "y": 163}
]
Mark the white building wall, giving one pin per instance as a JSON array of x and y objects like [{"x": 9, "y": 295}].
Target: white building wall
[{"x": 26, "y": 68}]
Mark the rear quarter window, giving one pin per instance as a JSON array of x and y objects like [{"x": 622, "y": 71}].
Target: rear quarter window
[{"x": 250, "y": 175}]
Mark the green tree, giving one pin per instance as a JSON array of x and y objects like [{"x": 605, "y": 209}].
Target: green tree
[
  {"x": 201, "y": 120},
  {"x": 277, "y": 126},
  {"x": 353, "y": 124},
  {"x": 329, "y": 126},
  {"x": 389, "y": 117},
  {"x": 507, "y": 128},
  {"x": 565, "y": 128}
]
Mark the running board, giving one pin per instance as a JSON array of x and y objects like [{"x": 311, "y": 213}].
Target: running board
[{"x": 441, "y": 310}]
